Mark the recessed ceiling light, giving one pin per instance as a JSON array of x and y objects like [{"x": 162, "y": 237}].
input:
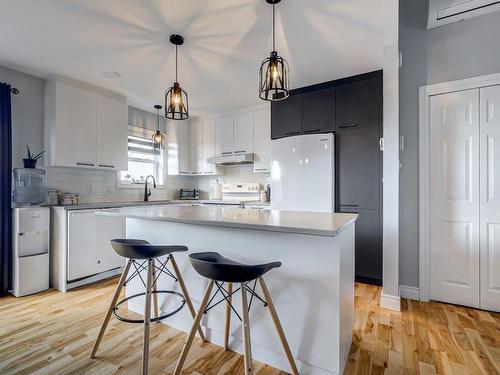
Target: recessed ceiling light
[{"x": 112, "y": 74}]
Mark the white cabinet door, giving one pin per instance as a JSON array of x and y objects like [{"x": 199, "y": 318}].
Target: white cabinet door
[
  {"x": 196, "y": 146},
  {"x": 224, "y": 136},
  {"x": 112, "y": 133},
  {"x": 454, "y": 179},
  {"x": 243, "y": 133},
  {"x": 82, "y": 244},
  {"x": 208, "y": 149},
  {"x": 262, "y": 141},
  {"x": 183, "y": 139},
  {"x": 108, "y": 228},
  {"x": 490, "y": 198},
  {"x": 75, "y": 114}
]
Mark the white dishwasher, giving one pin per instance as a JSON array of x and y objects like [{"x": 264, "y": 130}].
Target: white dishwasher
[{"x": 89, "y": 248}]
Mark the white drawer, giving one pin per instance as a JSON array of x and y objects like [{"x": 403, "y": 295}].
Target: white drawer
[{"x": 33, "y": 220}]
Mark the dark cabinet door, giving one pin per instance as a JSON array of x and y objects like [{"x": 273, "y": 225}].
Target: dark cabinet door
[
  {"x": 368, "y": 245},
  {"x": 285, "y": 117},
  {"x": 358, "y": 167},
  {"x": 359, "y": 103},
  {"x": 318, "y": 111}
]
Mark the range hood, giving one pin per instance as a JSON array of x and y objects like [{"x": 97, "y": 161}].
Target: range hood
[{"x": 232, "y": 159}]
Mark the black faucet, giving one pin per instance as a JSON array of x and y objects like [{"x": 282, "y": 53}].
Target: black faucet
[{"x": 147, "y": 191}]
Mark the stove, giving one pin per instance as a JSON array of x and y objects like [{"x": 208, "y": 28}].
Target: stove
[{"x": 241, "y": 192}]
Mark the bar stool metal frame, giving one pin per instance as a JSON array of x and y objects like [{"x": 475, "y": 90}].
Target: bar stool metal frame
[
  {"x": 206, "y": 305},
  {"x": 153, "y": 273}
]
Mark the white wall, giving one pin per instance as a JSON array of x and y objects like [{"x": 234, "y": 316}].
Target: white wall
[{"x": 456, "y": 51}]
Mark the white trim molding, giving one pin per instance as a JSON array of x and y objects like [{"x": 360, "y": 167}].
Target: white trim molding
[
  {"x": 425, "y": 92},
  {"x": 390, "y": 302},
  {"x": 409, "y": 292}
]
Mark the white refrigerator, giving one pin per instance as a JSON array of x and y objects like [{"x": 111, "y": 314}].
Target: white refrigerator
[{"x": 303, "y": 173}]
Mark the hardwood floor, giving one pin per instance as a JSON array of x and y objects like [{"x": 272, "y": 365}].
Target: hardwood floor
[{"x": 53, "y": 333}]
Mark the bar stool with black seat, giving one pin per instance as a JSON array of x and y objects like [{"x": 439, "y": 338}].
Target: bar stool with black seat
[
  {"x": 220, "y": 270},
  {"x": 138, "y": 253}
]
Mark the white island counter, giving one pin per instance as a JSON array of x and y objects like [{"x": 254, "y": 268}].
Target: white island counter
[{"x": 313, "y": 290}]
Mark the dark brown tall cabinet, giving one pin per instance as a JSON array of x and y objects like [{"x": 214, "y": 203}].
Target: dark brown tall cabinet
[{"x": 352, "y": 109}]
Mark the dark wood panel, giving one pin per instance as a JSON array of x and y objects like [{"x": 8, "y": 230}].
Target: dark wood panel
[
  {"x": 286, "y": 117},
  {"x": 318, "y": 111}
]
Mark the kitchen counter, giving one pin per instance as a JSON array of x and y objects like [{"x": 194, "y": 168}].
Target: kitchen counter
[{"x": 311, "y": 223}]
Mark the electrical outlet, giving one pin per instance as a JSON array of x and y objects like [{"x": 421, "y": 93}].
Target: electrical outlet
[{"x": 89, "y": 188}]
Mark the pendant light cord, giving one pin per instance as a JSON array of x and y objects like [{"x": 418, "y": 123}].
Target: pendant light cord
[
  {"x": 176, "y": 63},
  {"x": 274, "y": 29},
  {"x": 158, "y": 119}
]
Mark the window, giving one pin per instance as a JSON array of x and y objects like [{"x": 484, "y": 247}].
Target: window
[{"x": 143, "y": 160}]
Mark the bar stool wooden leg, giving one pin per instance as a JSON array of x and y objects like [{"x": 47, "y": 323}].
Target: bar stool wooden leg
[
  {"x": 147, "y": 318},
  {"x": 278, "y": 326},
  {"x": 246, "y": 331},
  {"x": 155, "y": 295},
  {"x": 228, "y": 316},
  {"x": 111, "y": 307},
  {"x": 192, "y": 333},
  {"x": 186, "y": 294}
]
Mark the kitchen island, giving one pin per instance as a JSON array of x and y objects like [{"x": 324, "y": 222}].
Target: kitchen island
[{"x": 313, "y": 290}]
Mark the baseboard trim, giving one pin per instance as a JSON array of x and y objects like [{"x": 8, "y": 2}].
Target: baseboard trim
[
  {"x": 390, "y": 302},
  {"x": 409, "y": 292}
]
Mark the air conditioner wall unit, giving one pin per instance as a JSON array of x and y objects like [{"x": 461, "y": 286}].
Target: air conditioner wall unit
[{"x": 443, "y": 12}]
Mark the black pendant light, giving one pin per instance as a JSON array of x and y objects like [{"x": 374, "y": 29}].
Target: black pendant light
[
  {"x": 176, "y": 98},
  {"x": 158, "y": 138},
  {"x": 273, "y": 82}
]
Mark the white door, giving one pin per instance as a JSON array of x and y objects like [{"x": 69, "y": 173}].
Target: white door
[
  {"x": 454, "y": 186},
  {"x": 490, "y": 197},
  {"x": 112, "y": 133},
  {"x": 224, "y": 136},
  {"x": 108, "y": 228},
  {"x": 262, "y": 141},
  {"x": 82, "y": 249},
  {"x": 243, "y": 133},
  {"x": 75, "y": 140},
  {"x": 208, "y": 149},
  {"x": 196, "y": 146}
]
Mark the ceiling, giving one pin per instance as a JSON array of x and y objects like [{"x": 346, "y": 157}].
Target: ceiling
[{"x": 225, "y": 42}]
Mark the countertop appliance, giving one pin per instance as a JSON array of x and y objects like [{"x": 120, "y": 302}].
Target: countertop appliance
[
  {"x": 189, "y": 194},
  {"x": 303, "y": 173},
  {"x": 30, "y": 250},
  {"x": 241, "y": 192}
]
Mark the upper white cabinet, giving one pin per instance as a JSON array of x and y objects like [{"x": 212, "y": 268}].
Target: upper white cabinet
[
  {"x": 243, "y": 133},
  {"x": 196, "y": 146},
  {"x": 262, "y": 141},
  {"x": 112, "y": 120},
  {"x": 208, "y": 149},
  {"x": 84, "y": 128},
  {"x": 224, "y": 135}
]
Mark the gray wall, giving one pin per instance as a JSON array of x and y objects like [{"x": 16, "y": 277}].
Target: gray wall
[{"x": 456, "y": 51}]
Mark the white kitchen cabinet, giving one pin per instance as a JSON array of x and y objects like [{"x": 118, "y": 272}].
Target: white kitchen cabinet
[
  {"x": 208, "y": 150},
  {"x": 84, "y": 128},
  {"x": 243, "y": 133},
  {"x": 196, "y": 147},
  {"x": 262, "y": 141},
  {"x": 112, "y": 133},
  {"x": 70, "y": 126},
  {"x": 178, "y": 148},
  {"x": 224, "y": 131}
]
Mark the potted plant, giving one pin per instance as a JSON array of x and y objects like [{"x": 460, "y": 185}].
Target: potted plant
[{"x": 30, "y": 161}]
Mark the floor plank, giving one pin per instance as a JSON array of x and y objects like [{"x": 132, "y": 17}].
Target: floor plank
[{"x": 53, "y": 333}]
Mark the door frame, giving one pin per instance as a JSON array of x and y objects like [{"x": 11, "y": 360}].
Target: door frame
[{"x": 425, "y": 92}]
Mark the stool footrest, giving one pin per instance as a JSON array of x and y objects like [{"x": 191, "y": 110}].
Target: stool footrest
[{"x": 173, "y": 292}]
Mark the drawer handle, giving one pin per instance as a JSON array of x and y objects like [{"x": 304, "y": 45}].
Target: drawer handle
[
  {"x": 36, "y": 217},
  {"x": 106, "y": 166},
  {"x": 240, "y": 152},
  {"x": 227, "y": 153},
  {"x": 261, "y": 169},
  {"x": 86, "y": 164},
  {"x": 312, "y": 130},
  {"x": 292, "y": 133},
  {"x": 348, "y": 126}
]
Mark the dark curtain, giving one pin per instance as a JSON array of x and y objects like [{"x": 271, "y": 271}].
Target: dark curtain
[{"x": 5, "y": 188}]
